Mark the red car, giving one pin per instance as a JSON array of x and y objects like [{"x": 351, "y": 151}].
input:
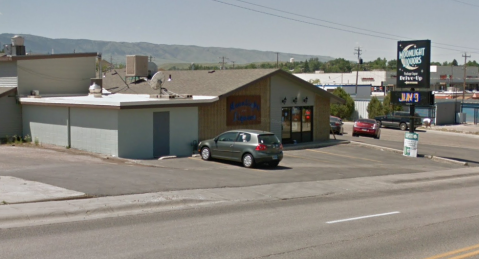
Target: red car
[{"x": 366, "y": 127}]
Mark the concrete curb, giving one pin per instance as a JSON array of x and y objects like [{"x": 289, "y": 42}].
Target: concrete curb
[
  {"x": 434, "y": 158},
  {"x": 314, "y": 145}
]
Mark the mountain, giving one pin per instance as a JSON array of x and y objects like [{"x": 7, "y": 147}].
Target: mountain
[{"x": 161, "y": 53}]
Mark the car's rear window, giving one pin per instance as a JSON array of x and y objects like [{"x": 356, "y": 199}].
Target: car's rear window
[
  {"x": 334, "y": 119},
  {"x": 268, "y": 139},
  {"x": 367, "y": 121}
]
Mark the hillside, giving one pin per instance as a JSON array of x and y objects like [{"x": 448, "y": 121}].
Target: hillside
[{"x": 161, "y": 53}]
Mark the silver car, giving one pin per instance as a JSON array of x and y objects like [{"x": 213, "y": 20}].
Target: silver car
[{"x": 250, "y": 147}]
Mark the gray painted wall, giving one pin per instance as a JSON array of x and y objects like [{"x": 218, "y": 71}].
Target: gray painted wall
[
  {"x": 446, "y": 112},
  {"x": 94, "y": 130},
  {"x": 47, "y": 124},
  {"x": 136, "y": 131},
  {"x": 280, "y": 88},
  {"x": 55, "y": 76},
  {"x": 11, "y": 117},
  {"x": 8, "y": 74}
]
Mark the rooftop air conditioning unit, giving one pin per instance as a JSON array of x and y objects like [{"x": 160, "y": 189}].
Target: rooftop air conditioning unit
[{"x": 136, "y": 66}]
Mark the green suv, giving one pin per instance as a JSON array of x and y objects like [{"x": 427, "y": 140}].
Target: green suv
[{"x": 398, "y": 120}]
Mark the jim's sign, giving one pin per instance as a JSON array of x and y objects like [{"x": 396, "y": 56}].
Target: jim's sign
[{"x": 413, "y": 64}]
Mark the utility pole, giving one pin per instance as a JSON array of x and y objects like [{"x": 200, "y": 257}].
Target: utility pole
[
  {"x": 222, "y": 63},
  {"x": 233, "y": 64},
  {"x": 464, "y": 87},
  {"x": 358, "y": 52},
  {"x": 151, "y": 59},
  {"x": 277, "y": 59}
]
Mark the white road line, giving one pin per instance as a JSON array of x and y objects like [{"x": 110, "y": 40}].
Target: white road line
[{"x": 363, "y": 217}]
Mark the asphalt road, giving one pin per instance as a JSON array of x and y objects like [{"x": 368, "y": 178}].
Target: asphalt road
[
  {"x": 456, "y": 146},
  {"x": 421, "y": 222},
  {"x": 101, "y": 177}
]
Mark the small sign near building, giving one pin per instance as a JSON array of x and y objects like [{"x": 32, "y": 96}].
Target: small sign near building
[
  {"x": 243, "y": 110},
  {"x": 414, "y": 62},
  {"x": 410, "y": 144}
]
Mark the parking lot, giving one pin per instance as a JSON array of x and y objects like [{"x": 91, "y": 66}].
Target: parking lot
[{"x": 97, "y": 176}]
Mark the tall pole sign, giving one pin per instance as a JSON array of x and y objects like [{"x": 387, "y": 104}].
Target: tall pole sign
[
  {"x": 413, "y": 64},
  {"x": 413, "y": 72}
]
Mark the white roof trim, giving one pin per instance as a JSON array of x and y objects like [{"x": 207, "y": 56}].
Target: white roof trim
[{"x": 120, "y": 100}]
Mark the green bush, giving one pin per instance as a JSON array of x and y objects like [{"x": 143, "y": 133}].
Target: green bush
[
  {"x": 388, "y": 107},
  {"x": 375, "y": 108},
  {"x": 343, "y": 111}
]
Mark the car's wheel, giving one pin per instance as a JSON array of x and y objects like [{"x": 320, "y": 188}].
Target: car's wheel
[
  {"x": 205, "y": 153},
  {"x": 248, "y": 160},
  {"x": 403, "y": 126},
  {"x": 273, "y": 164}
]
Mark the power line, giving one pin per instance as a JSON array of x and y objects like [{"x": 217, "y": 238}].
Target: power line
[
  {"x": 349, "y": 26},
  {"x": 339, "y": 29},
  {"x": 465, "y": 3}
]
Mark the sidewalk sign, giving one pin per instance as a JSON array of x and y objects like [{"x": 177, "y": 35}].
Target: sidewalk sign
[{"x": 410, "y": 144}]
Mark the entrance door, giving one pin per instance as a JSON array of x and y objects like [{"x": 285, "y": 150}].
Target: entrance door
[
  {"x": 286, "y": 125},
  {"x": 161, "y": 134},
  {"x": 306, "y": 124}
]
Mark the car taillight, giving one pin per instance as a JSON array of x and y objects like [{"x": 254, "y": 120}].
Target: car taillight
[
  {"x": 374, "y": 126},
  {"x": 260, "y": 147},
  {"x": 337, "y": 123},
  {"x": 355, "y": 124}
]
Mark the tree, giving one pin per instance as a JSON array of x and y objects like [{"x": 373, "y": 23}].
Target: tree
[
  {"x": 315, "y": 81},
  {"x": 454, "y": 63},
  {"x": 388, "y": 107},
  {"x": 343, "y": 111},
  {"x": 375, "y": 108},
  {"x": 306, "y": 67}
]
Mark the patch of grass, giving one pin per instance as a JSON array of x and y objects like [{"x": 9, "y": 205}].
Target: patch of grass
[{"x": 4, "y": 202}]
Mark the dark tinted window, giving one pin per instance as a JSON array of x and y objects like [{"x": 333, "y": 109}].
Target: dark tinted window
[
  {"x": 368, "y": 121},
  {"x": 229, "y": 136},
  {"x": 244, "y": 137},
  {"x": 268, "y": 139}
]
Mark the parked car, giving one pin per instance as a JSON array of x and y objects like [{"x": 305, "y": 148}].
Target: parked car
[
  {"x": 398, "y": 120},
  {"x": 336, "y": 125},
  {"x": 250, "y": 147},
  {"x": 367, "y": 127}
]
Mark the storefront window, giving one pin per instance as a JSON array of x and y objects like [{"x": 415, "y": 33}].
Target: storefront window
[{"x": 296, "y": 119}]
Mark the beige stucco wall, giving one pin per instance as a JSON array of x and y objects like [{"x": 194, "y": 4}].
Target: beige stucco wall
[{"x": 55, "y": 75}]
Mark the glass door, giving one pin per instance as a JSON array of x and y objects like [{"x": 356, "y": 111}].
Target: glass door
[{"x": 286, "y": 125}]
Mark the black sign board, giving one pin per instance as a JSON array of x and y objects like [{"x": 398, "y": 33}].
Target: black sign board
[
  {"x": 413, "y": 64},
  {"x": 410, "y": 98}
]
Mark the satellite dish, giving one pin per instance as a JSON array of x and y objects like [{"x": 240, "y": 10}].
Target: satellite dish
[{"x": 157, "y": 80}]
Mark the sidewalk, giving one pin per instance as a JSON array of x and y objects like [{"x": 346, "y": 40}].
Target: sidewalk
[{"x": 467, "y": 128}]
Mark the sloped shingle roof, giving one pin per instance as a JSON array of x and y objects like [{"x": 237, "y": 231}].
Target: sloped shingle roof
[{"x": 202, "y": 82}]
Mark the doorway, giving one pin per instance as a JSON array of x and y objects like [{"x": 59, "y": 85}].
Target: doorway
[
  {"x": 161, "y": 134},
  {"x": 297, "y": 124}
]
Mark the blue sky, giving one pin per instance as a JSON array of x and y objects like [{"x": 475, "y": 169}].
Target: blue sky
[{"x": 291, "y": 26}]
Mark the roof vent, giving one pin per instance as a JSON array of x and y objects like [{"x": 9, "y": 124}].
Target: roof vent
[
  {"x": 34, "y": 94},
  {"x": 95, "y": 90}
]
